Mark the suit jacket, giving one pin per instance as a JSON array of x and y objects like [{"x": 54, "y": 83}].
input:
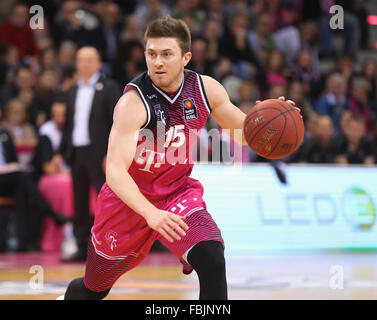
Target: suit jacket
[
  {"x": 8, "y": 146},
  {"x": 100, "y": 121}
]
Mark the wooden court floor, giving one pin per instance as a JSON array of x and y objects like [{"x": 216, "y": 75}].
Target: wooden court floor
[{"x": 283, "y": 276}]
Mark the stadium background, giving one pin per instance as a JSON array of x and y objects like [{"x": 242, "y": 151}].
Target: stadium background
[{"x": 286, "y": 223}]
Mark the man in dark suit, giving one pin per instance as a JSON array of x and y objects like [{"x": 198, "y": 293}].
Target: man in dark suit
[{"x": 90, "y": 105}]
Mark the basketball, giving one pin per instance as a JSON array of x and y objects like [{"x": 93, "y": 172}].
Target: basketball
[{"x": 273, "y": 129}]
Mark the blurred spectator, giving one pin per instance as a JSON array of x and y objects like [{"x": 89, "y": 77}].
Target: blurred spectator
[
  {"x": 297, "y": 94},
  {"x": 369, "y": 72},
  {"x": 45, "y": 89},
  {"x": 344, "y": 119},
  {"x": 287, "y": 38},
  {"x": 359, "y": 8},
  {"x": 272, "y": 46},
  {"x": 212, "y": 33},
  {"x": 246, "y": 95},
  {"x": 43, "y": 36},
  {"x": 274, "y": 9},
  {"x": 354, "y": 12},
  {"x": 334, "y": 100},
  {"x": 199, "y": 61},
  {"x": 66, "y": 54},
  {"x": 130, "y": 61},
  {"x": 346, "y": 67},
  {"x": 233, "y": 7},
  {"x": 223, "y": 70},
  {"x": 261, "y": 40},
  {"x": 360, "y": 105},
  {"x": 181, "y": 7},
  {"x": 47, "y": 159},
  {"x": 8, "y": 164},
  {"x": 320, "y": 11},
  {"x": 214, "y": 10},
  {"x": 149, "y": 10},
  {"x": 4, "y": 67},
  {"x": 76, "y": 21},
  {"x": 90, "y": 105},
  {"x": 310, "y": 124},
  {"x": 23, "y": 88},
  {"x": 66, "y": 23},
  {"x": 277, "y": 90},
  {"x": 111, "y": 30},
  {"x": 30, "y": 205},
  {"x": 320, "y": 147},
  {"x": 23, "y": 133},
  {"x": 190, "y": 12},
  {"x": 16, "y": 31},
  {"x": 48, "y": 58},
  {"x": 234, "y": 43},
  {"x": 128, "y": 6},
  {"x": 353, "y": 147},
  {"x": 309, "y": 41},
  {"x": 68, "y": 78},
  {"x": 132, "y": 29},
  {"x": 12, "y": 59},
  {"x": 307, "y": 74},
  {"x": 276, "y": 71}
]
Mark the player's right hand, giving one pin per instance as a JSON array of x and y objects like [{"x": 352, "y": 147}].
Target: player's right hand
[{"x": 171, "y": 226}]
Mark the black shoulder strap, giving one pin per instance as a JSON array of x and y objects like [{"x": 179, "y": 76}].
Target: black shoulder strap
[{"x": 143, "y": 84}]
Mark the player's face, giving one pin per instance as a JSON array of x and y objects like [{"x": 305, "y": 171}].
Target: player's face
[{"x": 166, "y": 62}]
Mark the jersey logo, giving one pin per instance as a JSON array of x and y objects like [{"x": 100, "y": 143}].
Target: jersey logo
[
  {"x": 160, "y": 114},
  {"x": 189, "y": 109},
  {"x": 111, "y": 239}
]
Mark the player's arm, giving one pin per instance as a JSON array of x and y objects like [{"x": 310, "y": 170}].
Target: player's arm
[
  {"x": 129, "y": 117},
  {"x": 224, "y": 112}
]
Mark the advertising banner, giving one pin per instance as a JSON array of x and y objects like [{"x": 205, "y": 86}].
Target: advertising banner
[{"x": 320, "y": 207}]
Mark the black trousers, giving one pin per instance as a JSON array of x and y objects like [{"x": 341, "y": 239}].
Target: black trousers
[
  {"x": 29, "y": 209},
  {"x": 85, "y": 173}
]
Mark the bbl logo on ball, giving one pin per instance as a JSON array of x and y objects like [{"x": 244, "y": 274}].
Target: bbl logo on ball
[{"x": 189, "y": 109}]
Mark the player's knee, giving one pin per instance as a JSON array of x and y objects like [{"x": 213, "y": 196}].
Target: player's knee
[
  {"x": 78, "y": 291},
  {"x": 208, "y": 256}
]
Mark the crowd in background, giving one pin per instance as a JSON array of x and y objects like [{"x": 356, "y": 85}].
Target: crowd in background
[{"x": 257, "y": 49}]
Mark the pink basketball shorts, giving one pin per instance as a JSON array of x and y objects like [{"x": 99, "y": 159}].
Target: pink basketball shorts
[{"x": 121, "y": 238}]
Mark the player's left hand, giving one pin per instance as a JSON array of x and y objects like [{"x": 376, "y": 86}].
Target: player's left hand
[
  {"x": 292, "y": 103},
  {"x": 288, "y": 101}
]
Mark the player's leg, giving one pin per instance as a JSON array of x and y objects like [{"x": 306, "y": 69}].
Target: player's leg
[
  {"x": 121, "y": 239},
  {"x": 201, "y": 249},
  {"x": 78, "y": 291},
  {"x": 101, "y": 273},
  {"x": 207, "y": 259}
]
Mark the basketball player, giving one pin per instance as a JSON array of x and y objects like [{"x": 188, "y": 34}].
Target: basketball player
[{"x": 149, "y": 194}]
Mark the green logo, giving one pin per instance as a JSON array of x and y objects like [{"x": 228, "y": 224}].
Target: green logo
[{"x": 359, "y": 209}]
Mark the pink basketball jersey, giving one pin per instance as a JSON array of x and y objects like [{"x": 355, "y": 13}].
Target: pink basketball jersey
[{"x": 163, "y": 161}]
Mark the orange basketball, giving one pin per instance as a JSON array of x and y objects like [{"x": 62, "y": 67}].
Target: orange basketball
[{"x": 273, "y": 129}]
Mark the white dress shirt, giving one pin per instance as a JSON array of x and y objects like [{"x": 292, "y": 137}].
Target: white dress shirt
[
  {"x": 51, "y": 130},
  {"x": 83, "y": 105}
]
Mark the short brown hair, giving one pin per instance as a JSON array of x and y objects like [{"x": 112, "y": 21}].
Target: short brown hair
[{"x": 168, "y": 27}]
